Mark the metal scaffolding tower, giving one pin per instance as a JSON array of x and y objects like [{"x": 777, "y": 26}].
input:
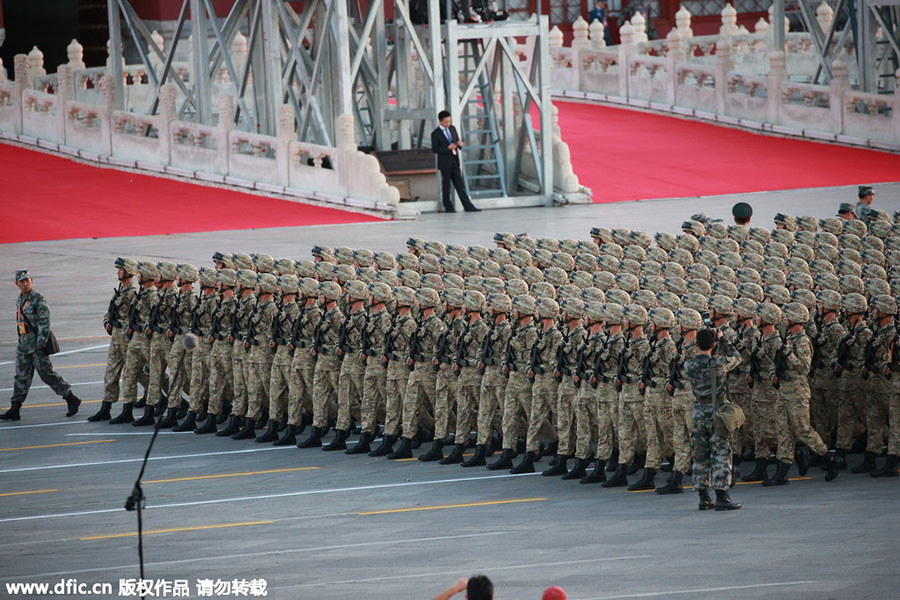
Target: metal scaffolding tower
[{"x": 345, "y": 57}]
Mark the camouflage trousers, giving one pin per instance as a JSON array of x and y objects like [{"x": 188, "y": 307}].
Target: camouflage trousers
[
  {"x": 259, "y": 376},
  {"x": 682, "y": 429},
  {"x": 180, "y": 378},
  {"x": 350, "y": 391},
  {"x": 300, "y": 390},
  {"x": 658, "y": 426},
  {"x": 26, "y": 365},
  {"x": 762, "y": 405},
  {"x": 894, "y": 419},
  {"x": 792, "y": 420},
  {"x": 240, "y": 372},
  {"x": 490, "y": 404},
  {"x": 160, "y": 345},
  {"x": 877, "y": 414},
  {"x": 418, "y": 403},
  {"x": 468, "y": 392},
  {"x": 596, "y": 419},
  {"x": 444, "y": 402},
  {"x": 823, "y": 407},
  {"x": 221, "y": 381},
  {"x": 540, "y": 422},
  {"x": 851, "y": 409},
  {"x": 566, "y": 398},
  {"x": 280, "y": 385},
  {"x": 135, "y": 358},
  {"x": 631, "y": 423},
  {"x": 374, "y": 384},
  {"x": 115, "y": 364},
  {"x": 200, "y": 363},
  {"x": 516, "y": 408},
  {"x": 740, "y": 394},
  {"x": 395, "y": 391},
  {"x": 325, "y": 389},
  {"x": 712, "y": 452}
]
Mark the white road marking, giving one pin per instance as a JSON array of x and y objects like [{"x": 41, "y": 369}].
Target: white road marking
[
  {"x": 131, "y": 433},
  {"x": 360, "y": 488},
  {"x": 4, "y": 428},
  {"x": 47, "y": 387},
  {"x": 12, "y": 362},
  {"x": 243, "y": 556},
  {"x": 702, "y": 590}
]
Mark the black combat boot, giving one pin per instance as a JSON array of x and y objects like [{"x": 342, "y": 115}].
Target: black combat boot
[
  {"x": 599, "y": 474},
  {"x": 161, "y": 407},
  {"x": 306, "y": 420},
  {"x": 668, "y": 465},
  {"x": 222, "y": 417},
  {"x": 645, "y": 482},
  {"x": 339, "y": 442},
  {"x": 841, "y": 456},
  {"x": 888, "y": 469},
  {"x": 142, "y": 401},
  {"x": 170, "y": 419},
  {"x": 12, "y": 413},
  {"x": 706, "y": 502},
  {"x": 547, "y": 451},
  {"x": 780, "y": 477},
  {"x": 270, "y": 435},
  {"x": 148, "y": 418},
  {"x": 363, "y": 445},
  {"x": 72, "y": 403},
  {"x": 386, "y": 446},
  {"x": 234, "y": 425},
  {"x": 314, "y": 440},
  {"x": 455, "y": 456},
  {"x": 477, "y": 459},
  {"x": 189, "y": 423},
  {"x": 830, "y": 466},
  {"x": 620, "y": 479},
  {"x": 578, "y": 470},
  {"x": 125, "y": 416},
  {"x": 867, "y": 465},
  {"x": 248, "y": 432},
  {"x": 183, "y": 408},
  {"x": 724, "y": 502},
  {"x": 201, "y": 417},
  {"x": 436, "y": 452},
  {"x": 505, "y": 460},
  {"x": 262, "y": 421},
  {"x": 102, "y": 414},
  {"x": 404, "y": 450},
  {"x": 801, "y": 456},
  {"x": 559, "y": 467},
  {"x": 288, "y": 436},
  {"x": 673, "y": 485},
  {"x": 759, "y": 471},
  {"x": 525, "y": 466},
  {"x": 209, "y": 426},
  {"x": 637, "y": 464}
]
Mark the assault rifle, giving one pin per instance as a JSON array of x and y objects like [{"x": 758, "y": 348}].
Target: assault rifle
[
  {"x": 622, "y": 369},
  {"x": 319, "y": 338},
  {"x": 343, "y": 334},
  {"x": 440, "y": 350},
  {"x": 132, "y": 318},
  {"x": 869, "y": 358},
  {"x": 460, "y": 357},
  {"x": 389, "y": 344},
  {"x": 415, "y": 347},
  {"x": 250, "y": 338},
  {"x": 111, "y": 310},
  {"x": 365, "y": 345},
  {"x": 780, "y": 363},
  {"x": 173, "y": 317},
  {"x": 673, "y": 377},
  {"x": 487, "y": 352},
  {"x": 534, "y": 358},
  {"x": 216, "y": 322},
  {"x": 817, "y": 362},
  {"x": 843, "y": 354},
  {"x": 295, "y": 333},
  {"x": 646, "y": 369},
  {"x": 510, "y": 351},
  {"x": 562, "y": 359},
  {"x": 581, "y": 364},
  {"x": 598, "y": 376},
  {"x": 153, "y": 323}
]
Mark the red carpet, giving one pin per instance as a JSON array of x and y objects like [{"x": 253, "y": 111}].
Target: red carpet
[
  {"x": 46, "y": 197},
  {"x": 630, "y": 155}
]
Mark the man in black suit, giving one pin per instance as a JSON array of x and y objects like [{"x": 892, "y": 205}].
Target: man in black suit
[{"x": 446, "y": 144}]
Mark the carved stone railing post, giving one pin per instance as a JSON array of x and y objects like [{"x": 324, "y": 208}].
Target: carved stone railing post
[
  {"x": 167, "y": 114},
  {"x": 839, "y": 84},
  {"x": 895, "y": 109},
  {"x": 626, "y": 48},
  {"x": 285, "y": 135},
  {"x": 108, "y": 94},
  {"x": 598, "y": 34},
  {"x": 223, "y": 128},
  {"x": 683, "y": 23},
  {"x": 20, "y": 82},
  {"x": 640, "y": 28},
  {"x": 675, "y": 56},
  {"x": 776, "y": 76},
  {"x": 65, "y": 91},
  {"x": 824, "y": 17},
  {"x": 2, "y": 72},
  {"x": 724, "y": 64},
  {"x": 580, "y": 42},
  {"x": 35, "y": 65},
  {"x": 555, "y": 38},
  {"x": 155, "y": 61},
  {"x": 729, "y": 22}
]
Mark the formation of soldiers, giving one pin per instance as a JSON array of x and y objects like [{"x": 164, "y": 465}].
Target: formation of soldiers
[{"x": 533, "y": 347}]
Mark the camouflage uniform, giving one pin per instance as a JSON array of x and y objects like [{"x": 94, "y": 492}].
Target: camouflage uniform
[
  {"x": 221, "y": 380},
  {"x": 469, "y": 384},
  {"x": 161, "y": 344},
  {"x": 493, "y": 384},
  {"x": 682, "y": 407},
  {"x": 446, "y": 382},
  {"x": 280, "y": 378},
  {"x": 303, "y": 364},
  {"x": 375, "y": 381},
  {"x": 260, "y": 358},
  {"x": 765, "y": 396},
  {"x": 880, "y": 389},
  {"x": 517, "y": 402},
  {"x": 182, "y": 314},
  {"x": 567, "y": 396},
  {"x": 240, "y": 364},
  {"x": 631, "y": 403},
  {"x": 397, "y": 372},
  {"x": 202, "y": 355},
  {"x": 117, "y": 318},
  {"x": 353, "y": 370},
  {"x": 587, "y": 405},
  {"x": 34, "y": 316},
  {"x": 852, "y": 403},
  {"x": 712, "y": 452},
  {"x": 823, "y": 405},
  {"x": 657, "y": 403},
  {"x": 739, "y": 391},
  {"x": 419, "y": 400},
  {"x": 544, "y": 390},
  {"x": 327, "y": 373},
  {"x": 608, "y": 412},
  {"x": 138, "y": 353}
]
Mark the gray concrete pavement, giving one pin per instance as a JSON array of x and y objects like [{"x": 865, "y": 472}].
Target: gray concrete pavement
[{"x": 296, "y": 517}]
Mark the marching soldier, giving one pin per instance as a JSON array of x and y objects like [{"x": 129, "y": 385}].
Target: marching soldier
[
  {"x": 823, "y": 404},
  {"x": 179, "y": 326},
  {"x": 280, "y": 377},
  {"x": 303, "y": 363},
  {"x": 847, "y": 362},
  {"x": 115, "y": 321},
  {"x": 201, "y": 326},
  {"x": 590, "y": 425},
  {"x": 764, "y": 398},
  {"x": 739, "y": 391},
  {"x": 878, "y": 354},
  {"x": 160, "y": 342},
  {"x": 138, "y": 353},
  {"x": 240, "y": 365},
  {"x": 221, "y": 380}
]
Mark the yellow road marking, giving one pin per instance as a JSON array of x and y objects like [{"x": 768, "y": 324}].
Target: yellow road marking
[
  {"x": 53, "y": 404},
  {"x": 414, "y": 458},
  {"x": 231, "y": 474},
  {"x": 31, "y": 492},
  {"x": 81, "y": 366},
  {"x": 55, "y": 445},
  {"x": 690, "y": 487},
  {"x": 198, "y": 528},
  {"x": 400, "y": 510}
]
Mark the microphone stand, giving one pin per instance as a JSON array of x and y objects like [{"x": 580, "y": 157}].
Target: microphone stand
[{"x": 136, "y": 500}]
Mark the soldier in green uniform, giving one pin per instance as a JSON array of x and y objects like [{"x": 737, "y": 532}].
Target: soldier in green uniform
[
  {"x": 115, "y": 321},
  {"x": 352, "y": 367},
  {"x": 824, "y": 401},
  {"x": 890, "y": 363},
  {"x": 33, "y": 327},
  {"x": 517, "y": 401},
  {"x": 745, "y": 339},
  {"x": 240, "y": 365},
  {"x": 279, "y": 342},
  {"x": 303, "y": 363},
  {"x": 201, "y": 326},
  {"x": 160, "y": 342},
  {"x": 847, "y": 363},
  {"x": 221, "y": 380},
  {"x": 179, "y": 326},
  {"x": 884, "y": 308},
  {"x": 587, "y": 407},
  {"x": 138, "y": 353}
]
